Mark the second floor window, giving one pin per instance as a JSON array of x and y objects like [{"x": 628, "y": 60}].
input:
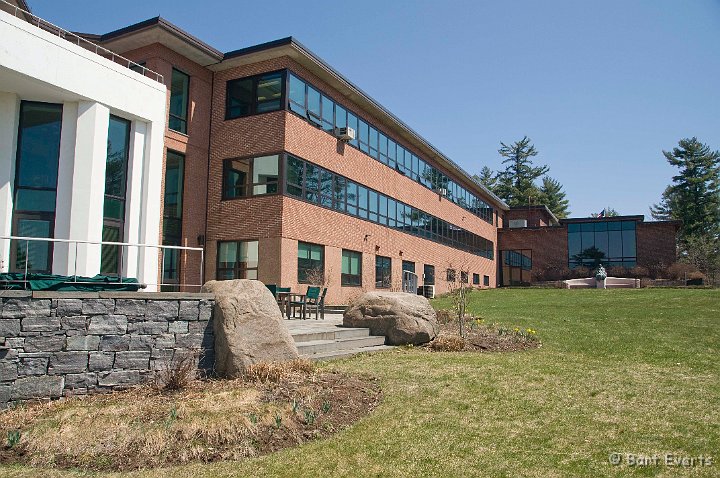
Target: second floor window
[
  {"x": 250, "y": 177},
  {"x": 256, "y": 94},
  {"x": 179, "y": 94}
]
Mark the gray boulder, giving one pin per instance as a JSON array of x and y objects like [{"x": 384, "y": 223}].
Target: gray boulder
[
  {"x": 401, "y": 317},
  {"x": 248, "y": 327}
]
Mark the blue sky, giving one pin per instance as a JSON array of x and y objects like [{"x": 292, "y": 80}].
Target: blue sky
[{"x": 600, "y": 87}]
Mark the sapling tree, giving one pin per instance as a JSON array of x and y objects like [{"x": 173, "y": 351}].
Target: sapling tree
[{"x": 459, "y": 289}]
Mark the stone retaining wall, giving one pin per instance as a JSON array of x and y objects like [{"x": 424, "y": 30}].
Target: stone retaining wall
[{"x": 60, "y": 344}]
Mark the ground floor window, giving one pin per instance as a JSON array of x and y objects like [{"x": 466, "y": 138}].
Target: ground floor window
[
  {"x": 486, "y": 281},
  {"x": 311, "y": 265},
  {"x": 450, "y": 275},
  {"x": 237, "y": 260},
  {"x": 383, "y": 272},
  {"x": 351, "y": 273},
  {"x": 516, "y": 267},
  {"x": 476, "y": 279}
]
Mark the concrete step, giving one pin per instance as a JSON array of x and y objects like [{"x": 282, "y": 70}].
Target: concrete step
[
  {"x": 338, "y": 354},
  {"x": 334, "y": 333},
  {"x": 312, "y": 347}
]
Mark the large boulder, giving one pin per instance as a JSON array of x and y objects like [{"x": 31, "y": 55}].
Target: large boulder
[
  {"x": 248, "y": 327},
  {"x": 401, "y": 317}
]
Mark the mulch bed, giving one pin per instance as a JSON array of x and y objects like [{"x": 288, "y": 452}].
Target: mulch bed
[{"x": 481, "y": 339}]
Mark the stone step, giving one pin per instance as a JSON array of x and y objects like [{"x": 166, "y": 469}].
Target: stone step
[
  {"x": 334, "y": 333},
  {"x": 338, "y": 354},
  {"x": 312, "y": 347}
]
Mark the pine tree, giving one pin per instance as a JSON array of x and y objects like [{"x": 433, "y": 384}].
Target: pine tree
[
  {"x": 487, "y": 178},
  {"x": 516, "y": 184},
  {"x": 694, "y": 195},
  {"x": 552, "y": 195}
]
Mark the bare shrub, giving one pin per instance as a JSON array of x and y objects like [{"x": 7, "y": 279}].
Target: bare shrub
[
  {"x": 264, "y": 372},
  {"x": 618, "y": 271},
  {"x": 580, "y": 273},
  {"x": 447, "y": 343},
  {"x": 445, "y": 316},
  {"x": 680, "y": 270},
  {"x": 178, "y": 372},
  {"x": 639, "y": 272}
]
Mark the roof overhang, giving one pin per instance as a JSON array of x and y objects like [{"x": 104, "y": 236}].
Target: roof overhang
[
  {"x": 158, "y": 30},
  {"x": 293, "y": 49}
]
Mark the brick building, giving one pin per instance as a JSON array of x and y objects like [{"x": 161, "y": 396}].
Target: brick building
[{"x": 283, "y": 170}]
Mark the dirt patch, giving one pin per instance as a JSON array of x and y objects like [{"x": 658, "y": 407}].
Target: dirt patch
[
  {"x": 208, "y": 421},
  {"x": 483, "y": 338}
]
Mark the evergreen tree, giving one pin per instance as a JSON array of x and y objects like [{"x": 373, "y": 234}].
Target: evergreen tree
[
  {"x": 487, "y": 178},
  {"x": 694, "y": 195},
  {"x": 552, "y": 195},
  {"x": 516, "y": 184}
]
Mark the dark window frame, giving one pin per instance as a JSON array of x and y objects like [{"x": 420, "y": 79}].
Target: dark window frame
[
  {"x": 253, "y": 110},
  {"x": 476, "y": 279},
  {"x": 383, "y": 266},
  {"x": 349, "y": 279},
  {"x": 184, "y": 118},
  {"x": 429, "y": 227},
  {"x": 172, "y": 265},
  {"x": 250, "y": 185},
  {"x": 477, "y": 206},
  {"x": 238, "y": 270},
  {"x": 302, "y": 277}
]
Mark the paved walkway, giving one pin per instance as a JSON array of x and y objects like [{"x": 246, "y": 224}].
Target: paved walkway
[{"x": 331, "y": 322}]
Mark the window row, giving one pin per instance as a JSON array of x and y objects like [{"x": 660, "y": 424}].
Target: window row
[
  {"x": 317, "y": 185},
  {"x": 323, "y": 112},
  {"x": 266, "y": 92},
  {"x": 611, "y": 243}
]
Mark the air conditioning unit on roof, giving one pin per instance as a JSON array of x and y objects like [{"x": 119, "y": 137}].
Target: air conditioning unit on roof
[{"x": 345, "y": 134}]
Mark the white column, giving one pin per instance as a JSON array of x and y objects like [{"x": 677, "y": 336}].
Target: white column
[
  {"x": 133, "y": 197},
  {"x": 64, "y": 254},
  {"x": 151, "y": 203},
  {"x": 9, "y": 117},
  {"x": 88, "y": 184}
]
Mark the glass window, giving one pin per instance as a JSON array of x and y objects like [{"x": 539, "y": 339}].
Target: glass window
[
  {"x": 252, "y": 176},
  {"x": 476, "y": 279},
  {"x": 239, "y": 98},
  {"x": 311, "y": 265},
  {"x": 295, "y": 171},
  {"x": 328, "y": 114},
  {"x": 352, "y": 122},
  {"x": 464, "y": 277},
  {"x": 383, "y": 272},
  {"x": 237, "y": 260},
  {"x": 340, "y": 116},
  {"x": 179, "y": 96},
  {"x": 450, "y": 275},
  {"x": 486, "y": 281},
  {"x": 172, "y": 219},
  {"x": 351, "y": 270},
  {"x": 118, "y": 149},
  {"x": 257, "y": 94},
  {"x": 363, "y": 133},
  {"x": 269, "y": 92},
  {"x": 297, "y": 95},
  {"x": 38, "y": 153},
  {"x": 373, "y": 142},
  {"x": 313, "y": 103}
]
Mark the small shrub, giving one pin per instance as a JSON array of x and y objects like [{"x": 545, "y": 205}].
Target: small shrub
[
  {"x": 639, "y": 272},
  {"x": 445, "y": 316},
  {"x": 13, "y": 438},
  {"x": 177, "y": 373},
  {"x": 680, "y": 270},
  {"x": 326, "y": 406},
  {"x": 447, "y": 343},
  {"x": 309, "y": 417}
]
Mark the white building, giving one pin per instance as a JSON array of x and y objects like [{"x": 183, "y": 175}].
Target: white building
[{"x": 81, "y": 154}]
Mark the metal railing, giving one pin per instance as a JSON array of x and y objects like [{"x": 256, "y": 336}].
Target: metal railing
[
  {"x": 409, "y": 282},
  {"x": 121, "y": 257},
  {"x": 84, "y": 43}
]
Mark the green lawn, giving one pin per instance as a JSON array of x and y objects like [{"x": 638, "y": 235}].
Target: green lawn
[{"x": 628, "y": 371}]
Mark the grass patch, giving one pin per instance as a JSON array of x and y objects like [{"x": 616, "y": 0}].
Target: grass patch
[{"x": 629, "y": 371}]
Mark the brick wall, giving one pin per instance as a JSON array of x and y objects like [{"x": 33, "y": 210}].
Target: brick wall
[
  {"x": 60, "y": 344},
  {"x": 656, "y": 244},
  {"x": 548, "y": 244}
]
